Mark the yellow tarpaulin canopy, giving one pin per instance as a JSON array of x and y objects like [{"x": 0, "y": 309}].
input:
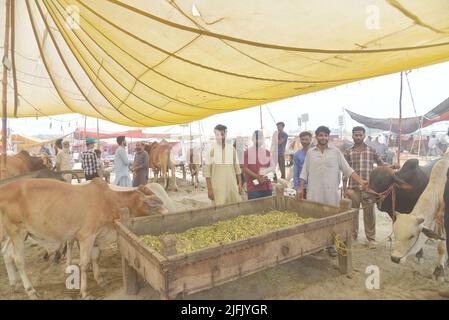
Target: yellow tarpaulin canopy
[{"x": 165, "y": 62}]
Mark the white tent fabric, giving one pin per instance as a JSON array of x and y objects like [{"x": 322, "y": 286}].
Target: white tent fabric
[{"x": 165, "y": 62}]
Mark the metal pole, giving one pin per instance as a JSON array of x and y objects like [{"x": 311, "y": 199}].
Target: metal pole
[
  {"x": 5, "y": 91},
  {"x": 85, "y": 124},
  {"x": 400, "y": 123},
  {"x": 261, "y": 125},
  {"x": 98, "y": 135}
]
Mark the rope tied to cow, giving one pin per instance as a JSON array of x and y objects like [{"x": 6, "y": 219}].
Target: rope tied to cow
[
  {"x": 340, "y": 245},
  {"x": 343, "y": 250}
]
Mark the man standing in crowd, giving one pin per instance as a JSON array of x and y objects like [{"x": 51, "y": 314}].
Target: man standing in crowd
[
  {"x": 101, "y": 171},
  {"x": 255, "y": 159},
  {"x": 433, "y": 146},
  {"x": 321, "y": 171},
  {"x": 299, "y": 157},
  {"x": 282, "y": 143},
  {"x": 222, "y": 170},
  {"x": 89, "y": 161},
  {"x": 64, "y": 160},
  {"x": 140, "y": 166},
  {"x": 121, "y": 164},
  {"x": 361, "y": 158}
]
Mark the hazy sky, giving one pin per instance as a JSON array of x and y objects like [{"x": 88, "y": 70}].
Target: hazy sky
[{"x": 377, "y": 97}]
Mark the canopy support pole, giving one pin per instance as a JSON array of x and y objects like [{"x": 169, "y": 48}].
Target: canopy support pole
[
  {"x": 261, "y": 124},
  {"x": 400, "y": 123},
  {"x": 13, "y": 56},
  {"x": 98, "y": 135},
  {"x": 5, "y": 91}
]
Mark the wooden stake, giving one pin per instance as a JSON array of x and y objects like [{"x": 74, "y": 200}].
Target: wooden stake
[
  {"x": 5, "y": 90},
  {"x": 400, "y": 123}
]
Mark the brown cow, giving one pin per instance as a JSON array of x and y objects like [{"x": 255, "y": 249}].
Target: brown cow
[
  {"x": 194, "y": 157},
  {"x": 53, "y": 212},
  {"x": 160, "y": 161},
  {"x": 23, "y": 163}
]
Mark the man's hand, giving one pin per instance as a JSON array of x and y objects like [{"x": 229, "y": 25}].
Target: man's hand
[
  {"x": 210, "y": 194},
  {"x": 299, "y": 194},
  {"x": 240, "y": 188},
  {"x": 396, "y": 166},
  {"x": 262, "y": 179},
  {"x": 364, "y": 184}
]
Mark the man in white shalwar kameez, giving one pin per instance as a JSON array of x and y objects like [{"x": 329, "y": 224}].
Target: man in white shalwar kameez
[
  {"x": 222, "y": 171},
  {"x": 121, "y": 164}
]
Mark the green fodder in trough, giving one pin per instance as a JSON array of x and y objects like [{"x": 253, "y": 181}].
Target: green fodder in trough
[{"x": 226, "y": 231}]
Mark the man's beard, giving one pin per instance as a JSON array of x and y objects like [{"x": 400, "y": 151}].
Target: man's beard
[{"x": 323, "y": 142}]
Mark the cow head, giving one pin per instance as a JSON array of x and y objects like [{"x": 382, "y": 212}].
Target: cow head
[
  {"x": 146, "y": 203},
  {"x": 407, "y": 230},
  {"x": 382, "y": 178}
]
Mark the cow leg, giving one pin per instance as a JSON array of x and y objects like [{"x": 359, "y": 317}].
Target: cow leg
[
  {"x": 69, "y": 255},
  {"x": 419, "y": 255},
  {"x": 439, "y": 269},
  {"x": 18, "y": 242},
  {"x": 173, "y": 172},
  {"x": 11, "y": 271},
  {"x": 86, "y": 246},
  {"x": 95, "y": 266}
]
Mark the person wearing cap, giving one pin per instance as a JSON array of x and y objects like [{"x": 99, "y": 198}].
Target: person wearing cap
[
  {"x": 64, "y": 160},
  {"x": 121, "y": 164},
  {"x": 89, "y": 161}
]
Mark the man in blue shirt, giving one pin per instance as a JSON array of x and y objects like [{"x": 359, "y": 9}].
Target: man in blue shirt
[
  {"x": 299, "y": 158},
  {"x": 282, "y": 143}
]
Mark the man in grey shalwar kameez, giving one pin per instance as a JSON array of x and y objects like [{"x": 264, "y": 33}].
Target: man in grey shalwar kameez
[
  {"x": 121, "y": 164},
  {"x": 140, "y": 166}
]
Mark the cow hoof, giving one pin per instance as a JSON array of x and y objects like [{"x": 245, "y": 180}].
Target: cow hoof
[
  {"x": 32, "y": 294},
  {"x": 46, "y": 256},
  {"x": 15, "y": 288},
  {"x": 438, "y": 274}
]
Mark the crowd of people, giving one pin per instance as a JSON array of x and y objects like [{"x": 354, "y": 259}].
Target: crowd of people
[{"x": 319, "y": 170}]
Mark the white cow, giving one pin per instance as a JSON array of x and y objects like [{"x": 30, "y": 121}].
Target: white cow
[{"x": 412, "y": 230}]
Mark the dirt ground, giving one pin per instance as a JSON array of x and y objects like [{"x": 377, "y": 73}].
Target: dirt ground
[{"x": 312, "y": 277}]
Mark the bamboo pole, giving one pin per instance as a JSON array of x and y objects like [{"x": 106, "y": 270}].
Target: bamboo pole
[
  {"x": 5, "y": 90},
  {"x": 98, "y": 135},
  {"x": 13, "y": 56},
  {"x": 400, "y": 123}
]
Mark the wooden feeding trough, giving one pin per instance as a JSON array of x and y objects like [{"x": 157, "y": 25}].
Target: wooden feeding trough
[{"x": 174, "y": 274}]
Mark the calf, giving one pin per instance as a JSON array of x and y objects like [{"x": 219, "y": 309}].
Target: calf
[
  {"x": 51, "y": 211},
  {"x": 412, "y": 230}
]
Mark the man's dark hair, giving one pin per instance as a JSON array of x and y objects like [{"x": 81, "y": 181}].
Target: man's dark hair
[
  {"x": 58, "y": 143},
  {"x": 220, "y": 127},
  {"x": 322, "y": 129},
  {"x": 358, "y": 128},
  {"x": 120, "y": 140},
  {"x": 280, "y": 124},
  {"x": 305, "y": 133}
]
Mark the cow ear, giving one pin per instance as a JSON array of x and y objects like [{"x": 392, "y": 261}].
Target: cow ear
[
  {"x": 145, "y": 190},
  {"x": 153, "y": 201},
  {"x": 401, "y": 183},
  {"x": 431, "y": 234}
]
